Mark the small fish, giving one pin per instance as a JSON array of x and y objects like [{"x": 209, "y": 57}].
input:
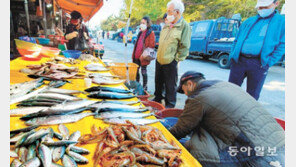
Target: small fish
[
  {"x": 121, "y": 102},
  {"x": 77, "y": 157},
  {"x": 55, "y": 165},
  {"x": 58, "y": 96},
  {"x": 23, "y": 152},
  {"x": 16, "y": 163},
  {"x": 134, "y": 121},
  {"x": 35, "y": 136},
  {"x": 31, "y": 151},
  {"x": 68, "y": 161},
  {"x": 107, "y": 81},
  {"x": 57, "y": 119},
  {"x": 75, "y": 136},
  {"x": 37, "y": 104},
  {"x": 24, "y": 129},
  {"x": 58, "y": 153},
  {"x": 24, "y": 138},
  {"x": 45, "y": 156},
  {"x": 34, "y": 162},
  {"x": 59, "y": 143},
  {"x": 13, "y": 154},
  {"x": 27, "y": 96},
  {"x": 107, "y": 89},
  {"x": 105, "y": 106},
  {"x": 56, "y": 84},
  {"x": 110, "y": 95},
  {"x": 25, "y": 110},
  {"x": 64, "y": 131},
  {"x": 62, "y": 91},
  {"x": 114, "y": 114},
  {"x": 17, "y": 137},
  {"x": 79, "y": 150},
  {"x": 58, "y": 135},
  {"x": 95, "y": 67}
]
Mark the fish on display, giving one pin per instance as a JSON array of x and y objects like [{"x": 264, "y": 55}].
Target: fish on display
[
  {"x": 140, "y": 121},
  {"x": 34, "y": 162},
  {"x": 107, "y": 107},
  {"x": 20, "y": 89},
  {"x": 68, "y": 161},
  {"x": 107, "y": 89},
  {"x": 79, "y": 150},
  {"x": 58, "y": 153},
  {"x": 45, "y": 155},
  {"x": 107, "y": 81},
  {"x": 109, "y": 95},
  {"x": 62, "y": 91},
  {"x": 95, "y": 67},
  {"x": 121, "y": 102},
  {"x": 16, "y": 163},
  {"x": 27, "y": 96},
  {"x": 57, "y": 84},
  {"x": 36, "y": 104},
  {"x": 24, "y": 129},
  {"x": 59, "y": 143},
  {"x": 57, "y": 119},
  {"x": 95, "y": 75},
  {"x": 58, "y": 96},
  {"x": 114, "y": 114}
]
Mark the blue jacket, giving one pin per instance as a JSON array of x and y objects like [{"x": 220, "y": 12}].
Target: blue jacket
[{"x": 273, "y": 47}]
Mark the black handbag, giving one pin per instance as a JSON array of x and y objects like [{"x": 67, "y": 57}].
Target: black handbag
[{"x": 80, "y": 41}]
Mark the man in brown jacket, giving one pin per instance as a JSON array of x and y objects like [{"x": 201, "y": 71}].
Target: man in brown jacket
[{"x": 228, "y": 127}]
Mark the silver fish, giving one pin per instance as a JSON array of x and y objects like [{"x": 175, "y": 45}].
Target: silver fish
[
  {"x": 58, "y": 96},
  {"x": 57, "y": 119},
  {"x": 27, "y": 96},
  {"x": 75, "y": 136},
  {"x": 34, "y": 162},
  {"x": 95, "y": 67},
  {"x": 25, "y": 110},
  {"x": 68, "y": 161},
  {"x": 24, "y": 129},
  {"x": 77, "y": 157},
  {"x": 31, "y": 152},
  {"x": 59, "y": 143},
  {"x": 116, "y": 107},
  {"x": 71, "y": 105},
  {"x": 114, "y": 114},
  {"x": 17, "y": 137},
  {"x": 55, "y": 165},
  {"x": 44, "y": 154},
  {"x": 35, "y": 136},
  {"x": 58, "y": 135},
  {"x": 64, "y": 131},
  {"x": 24, "y": 138},
  {"x": 134, "y": 121},
  {"x": 79, "y": 150},
  {"x": 58, "y": 153},
  {"x": 16, "y": 163},
  {"x": 20, "y": 89},
  {"x": 62, "y": 91},
  {"x": 13, "y": 154},
  {"x": 107, "y": 81},
  {"x": 23, "y": 152}
]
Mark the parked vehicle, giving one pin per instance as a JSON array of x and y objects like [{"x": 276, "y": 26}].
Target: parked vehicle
[{"x": 214, "y": 39}]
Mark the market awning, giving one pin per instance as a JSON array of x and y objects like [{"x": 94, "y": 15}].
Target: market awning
[{"x": 87, "y": 8}]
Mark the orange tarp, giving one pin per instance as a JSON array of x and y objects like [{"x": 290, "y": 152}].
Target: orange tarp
[{"x": 87, "y": 8}]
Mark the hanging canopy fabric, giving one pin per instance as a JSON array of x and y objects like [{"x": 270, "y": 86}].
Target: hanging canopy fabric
[{"x": 87, "y": 8}]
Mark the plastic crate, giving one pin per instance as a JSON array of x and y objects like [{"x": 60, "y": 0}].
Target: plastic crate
[
  {"x": 120, "y": 70},
  {"x": 156, "y": 106},
  {"x": 144, "y": 97}
]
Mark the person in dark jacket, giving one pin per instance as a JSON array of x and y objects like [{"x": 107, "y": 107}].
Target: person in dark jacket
[
  {"x": 145, "y": 39},
  {"x": 228, "y": 127},
  {"x": 260, "y": 44},
  {"x": 76, "y": 30}
]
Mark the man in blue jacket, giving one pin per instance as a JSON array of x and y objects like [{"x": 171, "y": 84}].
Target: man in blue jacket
[{"x": 260, "y": 43}]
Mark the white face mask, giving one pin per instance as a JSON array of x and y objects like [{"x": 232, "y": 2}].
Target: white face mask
[
  {"x": 143, "y": 27},
  {"x": 170, "y": 18}
]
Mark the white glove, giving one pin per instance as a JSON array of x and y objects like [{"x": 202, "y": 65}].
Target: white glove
[
  {"x": 72, "y": 35},
  {"x": 85, "y": 35}
]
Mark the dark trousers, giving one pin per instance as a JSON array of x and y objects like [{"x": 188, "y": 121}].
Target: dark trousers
[
  {"x": 253, "y": 70},
  {"x": 166, "y": 77},
  {"x": 143, "y": 71}
]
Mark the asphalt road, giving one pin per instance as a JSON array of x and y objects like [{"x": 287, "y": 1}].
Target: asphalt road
[{"x": 272, "y": 95}]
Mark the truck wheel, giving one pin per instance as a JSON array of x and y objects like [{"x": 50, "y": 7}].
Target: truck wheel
[{"x": 224, "y": 62}]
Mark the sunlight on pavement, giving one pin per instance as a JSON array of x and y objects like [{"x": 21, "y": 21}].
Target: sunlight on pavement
[{"x": 275, "y": 85}]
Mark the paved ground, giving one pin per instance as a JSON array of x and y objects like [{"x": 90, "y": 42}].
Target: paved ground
[{"x": 272, "y": 95}]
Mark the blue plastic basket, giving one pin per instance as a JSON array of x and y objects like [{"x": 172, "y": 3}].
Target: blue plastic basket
[
  {"x": 71, "y": 53},
  {"x": 28, "y": 39},
  {"x": 169, "y": 122},
  {"x": 43, "y": 41}
]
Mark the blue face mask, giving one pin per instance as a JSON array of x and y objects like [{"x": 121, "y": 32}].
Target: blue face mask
[{"x": 265, "y": 12}]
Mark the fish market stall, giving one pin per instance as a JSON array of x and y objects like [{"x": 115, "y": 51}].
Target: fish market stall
[{"x": 82, "y": 134}]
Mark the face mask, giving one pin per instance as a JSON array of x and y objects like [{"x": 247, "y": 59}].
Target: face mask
[
  {"x": 143, "y": 27},
  {"x": 265, "y": 12},
  {"x": 170, "y": 18}
]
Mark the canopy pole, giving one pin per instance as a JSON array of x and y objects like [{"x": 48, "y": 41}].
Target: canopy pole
[
  {"x": 27, "y": 16},
  {"x": 126, "y": 32},
  {"x": 61, "y": 14},
  {"x": 44, "y": 18}
]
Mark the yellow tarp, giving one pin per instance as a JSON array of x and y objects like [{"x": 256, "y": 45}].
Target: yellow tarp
[{"x": 85, "y": 124}]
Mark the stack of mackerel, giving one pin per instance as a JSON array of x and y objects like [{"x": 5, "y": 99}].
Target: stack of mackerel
[{"x": 44, "y": 147}]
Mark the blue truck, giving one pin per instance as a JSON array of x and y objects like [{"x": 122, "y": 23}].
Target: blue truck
[{"x": 213, "y": 39}]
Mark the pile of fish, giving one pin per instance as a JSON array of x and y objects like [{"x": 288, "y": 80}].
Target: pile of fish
[
  {"x": 52, "y": 70},
  {"x": 32, "y": 148},
  {"x": 59, "y": 59},
  {"x": 88, "y": 57},
  {"x": 96, "y": 67},
  {"x": 131, "y": 145}
]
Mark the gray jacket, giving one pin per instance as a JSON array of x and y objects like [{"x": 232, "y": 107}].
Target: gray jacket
[{"x": 219, "y": 115}]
